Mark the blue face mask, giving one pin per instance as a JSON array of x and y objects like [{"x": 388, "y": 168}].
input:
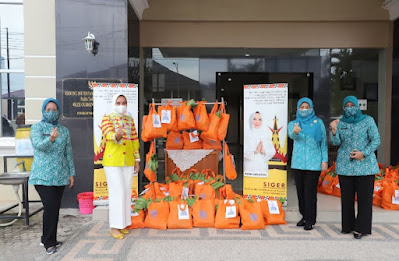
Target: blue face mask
[
  {"x": 304, "y": 113},
  {"x": 51, "y": 116},
  {"x": 350, "y": 111}
]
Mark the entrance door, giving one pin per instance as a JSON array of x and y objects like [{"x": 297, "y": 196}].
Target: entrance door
[{"x": 229, "y": 85}]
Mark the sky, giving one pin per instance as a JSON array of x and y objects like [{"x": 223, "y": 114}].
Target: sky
[{"x": 11, "y": 17}]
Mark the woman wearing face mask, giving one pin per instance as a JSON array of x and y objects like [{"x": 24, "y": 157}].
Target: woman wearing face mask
[
  {"x": 357, "y": 136},
  {"x": 52, "y": 168},
  {"x": 309, "y": 156},
  {"x": 259, "y": 149},
  {"x": 121, "y": 158}
]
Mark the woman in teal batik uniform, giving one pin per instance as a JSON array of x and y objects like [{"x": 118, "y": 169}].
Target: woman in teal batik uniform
[
  {"x": 52, "y": 168},
  {"x": 309, "y": 156},
  {"x": 357, "y": 136}
]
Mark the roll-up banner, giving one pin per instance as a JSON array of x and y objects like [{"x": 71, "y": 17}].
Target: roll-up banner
[
  {"x": 265, "y": 140},
  {"x": 102, "y": 105}
]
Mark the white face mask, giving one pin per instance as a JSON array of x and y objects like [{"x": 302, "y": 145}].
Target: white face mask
[{"x": 121, "y": 109}]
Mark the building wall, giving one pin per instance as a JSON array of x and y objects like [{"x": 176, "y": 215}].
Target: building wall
[
  {"x": 40, "y": 56},
  {"x": 265, "y": 10},
  {"x": 279, "y": 24}
]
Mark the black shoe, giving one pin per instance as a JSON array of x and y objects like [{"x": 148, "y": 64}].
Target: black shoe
[
  {"x": 58, "y": 244},
  {"x": 345, "y": 232},
  {"x": 357, "y": 235},
  {"x": 51, "y": 250},
  {"x": 301, "y": 223},
  {"x": 308, "y": 227}
]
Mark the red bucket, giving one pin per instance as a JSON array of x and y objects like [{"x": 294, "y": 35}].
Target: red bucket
[{"x": 86, "y": 202}]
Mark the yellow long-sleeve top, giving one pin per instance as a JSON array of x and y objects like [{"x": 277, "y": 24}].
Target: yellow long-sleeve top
[{"x": 124, "y": 152}]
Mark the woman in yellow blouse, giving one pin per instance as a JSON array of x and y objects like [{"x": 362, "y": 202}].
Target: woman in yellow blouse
[{"x": 121, "y": 158}]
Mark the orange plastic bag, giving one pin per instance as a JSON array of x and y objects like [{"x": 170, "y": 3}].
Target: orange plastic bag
[
  {"x": 175, "y": 189},
  {"x": 174, "y": 171},
  {"x": 137, "y": 218},
  {"x": 174, "y": 141},
  {"x": 336, "y": 188},
  {"x": 188, "y": 144},
  {"x": 201, "y": 117},
  {"x": 227, "y": 192},
  {"x": 155, "y": 190},
  {"x": 180, "y": 215},
  {"x": 227, "y": 215},
  {"x": 209, "y": 144},
  {"x": 377, "y": 193},
  {"x": 144, "y": 136},
  {"x": 212, "y": 132},
  {"x": 230, "y": 169},
  {"x": 328, "y": 184},
  {"x": 152, "y": 126},
  {"x": 185, "y": 117},
  {"x": 224, "y": 122},
  {"x": 149, "y": 174},
  {"x": 158, "y": 214},
  {"x": 168, "y": 113},
  {"x": 204, "y": 213},
  {"x": 390, "y": 195},
  {"x": 273, "y": 212},
  {"x": 204, "y": 191},
  {"x": 251, "y": 215}
]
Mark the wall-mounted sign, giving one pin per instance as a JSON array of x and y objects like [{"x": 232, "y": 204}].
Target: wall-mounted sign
[{"x": 77, "y": 97}]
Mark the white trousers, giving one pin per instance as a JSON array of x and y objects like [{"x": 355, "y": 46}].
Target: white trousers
[{"x": 119, "y": 181}]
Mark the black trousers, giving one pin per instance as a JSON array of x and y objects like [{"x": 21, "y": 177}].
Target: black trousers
[
  {"x": 306, "y": 187},
  {"x": 362, "y": 186},
  {"x": 51, "y": 199}
]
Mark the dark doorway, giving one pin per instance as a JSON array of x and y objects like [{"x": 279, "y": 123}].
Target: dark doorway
[{"x": 229, "y": 85}]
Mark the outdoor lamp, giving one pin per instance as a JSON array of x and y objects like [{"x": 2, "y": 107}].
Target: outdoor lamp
[{"x": 91, "y": 44}]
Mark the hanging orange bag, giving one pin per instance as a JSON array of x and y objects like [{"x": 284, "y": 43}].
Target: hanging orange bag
[
  {"x": 224, "y": 122},
  {"x": 185, "y": 117},
  {"x": 174, "y": 141},
  {"x": 168, "y": 116},
  {"x": 180, "y": 215},
  {"x": 209, "y": 144},
  {"x": 149, "y": 173},
  {"x": 152, "y": 126},
  {"x": 201, "y": 117},
  {"x": 273, "y": 212},
  {"x": 214, "y": 119},
  {"x": 204, "y": 213},
  {"x": 251, "y": 215},
  {"x": 191, "y": 141},
  {"x": 227, "y": 215},
  {"x": 137, "y": 217},
  {"x": 157, "y": 217},
  {"x": 230, "y": 169},
  {"x": 336, "y": 188},
  {"x": 328, "y": 184},
  {"x": 144, "y": 136}
]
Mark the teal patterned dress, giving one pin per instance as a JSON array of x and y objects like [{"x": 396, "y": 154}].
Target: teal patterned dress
[
  {"x": 362, "y": 136},
  {"x": 53, "y": 161},
  {"x": 308, "y": 154}
]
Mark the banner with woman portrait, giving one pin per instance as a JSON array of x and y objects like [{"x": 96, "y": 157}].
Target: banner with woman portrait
[
  {"x": 102, "y": 105},
  {"x": 265, "y": 140}
]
